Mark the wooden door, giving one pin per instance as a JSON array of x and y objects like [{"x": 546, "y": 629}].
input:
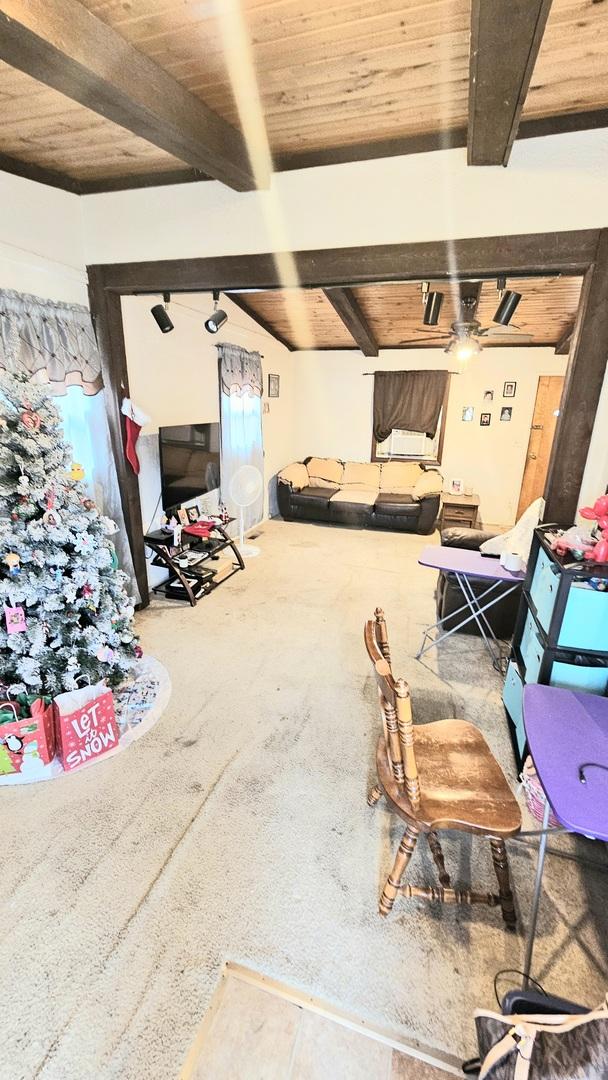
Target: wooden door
[{"x": 546, "y": 410}]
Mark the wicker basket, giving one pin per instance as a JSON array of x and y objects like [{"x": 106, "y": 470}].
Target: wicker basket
[{"x": 535, "y": 796}]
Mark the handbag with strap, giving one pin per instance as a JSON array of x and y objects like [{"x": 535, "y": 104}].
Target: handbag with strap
[{"x": 543, "y": 1047}]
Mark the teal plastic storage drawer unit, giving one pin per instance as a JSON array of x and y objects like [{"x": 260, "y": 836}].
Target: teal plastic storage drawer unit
[{"x": 561, "y": 632}]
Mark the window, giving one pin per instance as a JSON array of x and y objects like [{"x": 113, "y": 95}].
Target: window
[{"x": 411, "y": 445}]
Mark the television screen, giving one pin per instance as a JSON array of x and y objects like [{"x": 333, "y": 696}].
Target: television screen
[{"x": 189, "y": 462}]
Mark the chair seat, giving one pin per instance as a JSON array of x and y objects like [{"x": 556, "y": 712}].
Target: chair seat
[{"x": 462, "y": 784}]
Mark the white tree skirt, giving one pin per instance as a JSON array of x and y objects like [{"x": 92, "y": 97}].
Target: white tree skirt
[{"x": 139, "y": 703}]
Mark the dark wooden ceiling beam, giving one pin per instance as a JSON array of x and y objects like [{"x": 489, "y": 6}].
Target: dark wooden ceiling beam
[
  {"x": 63, "y": 45},
  {"x": 345, "y": 305},
  {"x": 238, "y": 299},
  {"x": 563, "y": 346},
  {"x": 29, "y": 171},
  {"x": 505, "y": 39}
]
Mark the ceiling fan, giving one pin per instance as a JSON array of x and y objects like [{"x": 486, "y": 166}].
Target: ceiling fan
[{"x": 466, "y": 330}]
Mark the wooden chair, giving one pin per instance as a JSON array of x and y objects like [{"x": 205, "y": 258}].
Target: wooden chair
[{"x": 437, "y": 776}]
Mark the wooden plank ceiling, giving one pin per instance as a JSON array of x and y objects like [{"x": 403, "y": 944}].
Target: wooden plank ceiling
[
  {"x": 337, "y": 79},
  {"x": 393, "y": 313}
]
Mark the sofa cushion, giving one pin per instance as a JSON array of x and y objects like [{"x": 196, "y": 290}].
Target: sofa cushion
[
  {"x": 309, "y": 496},
  {"x": 361, "y": 476},
  {"x": 361, "y": 498},
  {"x": 295, "y": 475},
  {"x": 324, "y": 472},
  {"x": 399, "y": 476},
  {"x": 389, "y": 503},
  {"x": 430, "y": 482}
]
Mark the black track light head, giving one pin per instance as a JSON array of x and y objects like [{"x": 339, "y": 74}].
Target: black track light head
[
  {"x": 432, "y": 308},
  {"x": 506, "y": 309},
  {"x": 161, "y": 315},
  {"x": 218, "y": 318}
]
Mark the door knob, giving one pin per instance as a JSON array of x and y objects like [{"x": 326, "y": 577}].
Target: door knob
[{"x": 533, "y": 456}]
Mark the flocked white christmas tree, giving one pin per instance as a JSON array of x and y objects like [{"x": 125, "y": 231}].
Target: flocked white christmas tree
[{"x": 61, "y": 592}]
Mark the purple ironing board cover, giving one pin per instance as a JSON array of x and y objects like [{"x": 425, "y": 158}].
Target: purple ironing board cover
[
  {"x": 471, "y": 563},
  {"x": 565, "y": 729}
]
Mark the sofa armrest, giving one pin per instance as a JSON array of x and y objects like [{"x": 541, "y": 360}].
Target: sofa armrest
[
  {"x": 430, "y": 482},
  {"x": 429, "y": 509},
  {"x": 465, "y": 538},
  {"x": 295, "y": 476}
]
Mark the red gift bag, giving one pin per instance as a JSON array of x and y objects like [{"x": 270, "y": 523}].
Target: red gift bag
[
  {"x": 28, "y": 740},
  {"x": 86, "y": 725}
]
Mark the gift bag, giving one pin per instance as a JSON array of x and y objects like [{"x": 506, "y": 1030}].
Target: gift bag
[
  {"x": 86, "y": 725},
  {"x": 27, "y": 734}
]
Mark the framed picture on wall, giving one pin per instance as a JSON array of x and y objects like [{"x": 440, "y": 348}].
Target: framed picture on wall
[
  {"x": 488, "y": 395},
  {"x": 506, "y": 412},
  {"x": 485, "y": 419},
  {"x": 468, "y": 414},
  {"x": 509, "y": 389},
  {"x": 273, "y": 385}
]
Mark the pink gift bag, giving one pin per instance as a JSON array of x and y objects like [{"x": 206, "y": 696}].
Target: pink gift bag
[{"x": 86, "y": 725}]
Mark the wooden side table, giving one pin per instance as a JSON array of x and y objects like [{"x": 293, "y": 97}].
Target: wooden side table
[{"x": 458, "y": 510}]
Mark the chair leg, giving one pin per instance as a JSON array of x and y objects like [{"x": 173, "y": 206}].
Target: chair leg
[
  {"x": 437, "y": 853},
  {"x": 501, "y": 867},
  {"x": 374, "y": 795},
  {"x": 404, "y": 853}
]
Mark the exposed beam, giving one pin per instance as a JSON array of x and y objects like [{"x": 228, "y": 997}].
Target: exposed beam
[
  {"x": 563, "y": 346},
  {"x": 41, "y": 175},
  {"x": 60, "y": 43},
  {"x": 485, "y": 256},
  {"x": 141, "y": 180},
  {"x": 582, "y": 388},
  {"x": 345, "y": 305},
  {"x": 505, "y": 39},
  {"x": 241, "y": 303}
]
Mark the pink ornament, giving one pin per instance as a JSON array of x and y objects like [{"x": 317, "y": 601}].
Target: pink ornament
[
  {"x": 139, "y": 652},
  {"x": 15, "y": 620}
]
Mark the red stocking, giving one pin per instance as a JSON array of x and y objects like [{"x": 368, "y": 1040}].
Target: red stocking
[{"x": 134, "y": 421}]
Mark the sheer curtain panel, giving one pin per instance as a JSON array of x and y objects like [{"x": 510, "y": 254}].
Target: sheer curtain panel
[{"x": 240, "y": 380}]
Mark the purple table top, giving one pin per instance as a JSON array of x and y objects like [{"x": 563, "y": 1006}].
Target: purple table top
[
  {"x": 462, "y": 561},
  {"x": 565, "y": 729}
]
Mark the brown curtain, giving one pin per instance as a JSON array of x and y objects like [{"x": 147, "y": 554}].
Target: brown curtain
[{"x": 408, "y": 401}]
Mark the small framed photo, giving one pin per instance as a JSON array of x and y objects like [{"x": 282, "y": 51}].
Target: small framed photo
[
  {"x": 274, "y": 382},
  {"x": 456, "y": 487},
  {"x": 508, "y": 390},
  {"x": 468, "y": 414},
  {"x": 485, "y": 419},
  {"x": 183, "y": 516},
  {"x": 193, "y": 513},
  {"x": 488, "y": 395},
  {"x": 506, "y": 412}
]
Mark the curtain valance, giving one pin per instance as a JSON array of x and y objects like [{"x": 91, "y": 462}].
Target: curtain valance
[
  {"x": 408, "y": 401},
  {"x": 240, "y": 370},
  {"x": 52, "y": 339}
]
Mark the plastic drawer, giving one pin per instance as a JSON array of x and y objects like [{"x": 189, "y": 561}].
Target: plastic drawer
[
  {"x": 512, "y": 697},
  {"x": 585, "y": 621},
  {"x": 531, "y": 649},
  {"x": 543, "y": 590},
  {"x": 593, "y": 679}
]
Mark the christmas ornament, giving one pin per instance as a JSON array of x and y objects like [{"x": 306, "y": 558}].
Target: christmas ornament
[
  {"x": 72, "y": 663},
  {"x": 58, "y": 576},
  {"x": 87, "y": 590},
  {"x": 15, "y": 620},
  {"x": 88, "y": 504},
  {"x": 30, "y": 420},
  {"x": 113, "y": 556},
  {"x": 139, "y": 652},
  {"x": 13, "y": 562},
  {"x": 51, "y": 518},
  {"x": 105, "y": 654},
  {"x": 77, "y": 472}
]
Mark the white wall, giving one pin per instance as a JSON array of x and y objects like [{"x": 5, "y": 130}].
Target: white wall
[
  {"x": 334, "y": 416},
  {"x": 555, "y": 183},
  {"x": 173, "y": 378},
  {"x": 41, "y": 241}
]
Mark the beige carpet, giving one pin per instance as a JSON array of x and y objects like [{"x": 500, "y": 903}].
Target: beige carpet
[{"x": 237, "y": 829}]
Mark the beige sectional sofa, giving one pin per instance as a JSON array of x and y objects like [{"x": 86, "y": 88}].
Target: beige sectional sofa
[{"x": 400, "y": 495}]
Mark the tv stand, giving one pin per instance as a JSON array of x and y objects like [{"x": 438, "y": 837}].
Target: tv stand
[{"x": 194, "y": 581}]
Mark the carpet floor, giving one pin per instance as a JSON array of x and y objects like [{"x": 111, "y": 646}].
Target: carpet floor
[{"x": 237, "y": 829}]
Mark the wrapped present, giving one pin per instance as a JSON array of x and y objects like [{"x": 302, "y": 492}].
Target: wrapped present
[
  {"x": 86, "y": 725},
  {"x": 27, "y": 734}
]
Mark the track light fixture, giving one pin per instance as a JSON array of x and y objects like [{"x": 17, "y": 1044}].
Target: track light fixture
[
  {"x": 506, "y": 308},
  {"x": 432, "y": 308},
  {"x": 161, "y": 314},
  {"x": 218, "y": 318}
]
